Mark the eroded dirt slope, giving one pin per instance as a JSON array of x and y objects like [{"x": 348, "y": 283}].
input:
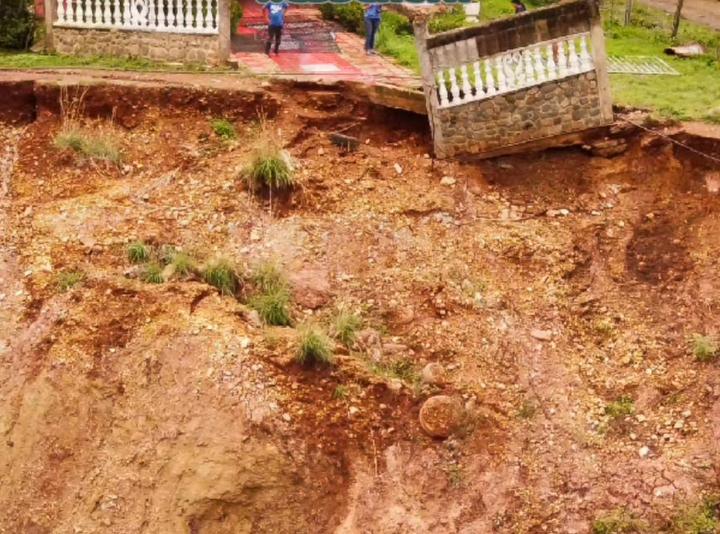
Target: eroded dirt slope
[{"x": 548, "y": 286}]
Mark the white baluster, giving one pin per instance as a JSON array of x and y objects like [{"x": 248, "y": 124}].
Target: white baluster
[
  {"x": 96, "y": 14},
  {"x": 509, "y": 72},
  {"x": 170, "y": 14},
  {"x": 80, "y": 13},
  {"x": 115, "y": 21},
  {"x": 501, "y": 82},
  {"x": 215, "y": 4},
  {"x": 586, "y": 62},
  {"x": 562, "y": 59},
  {"x": 125, "y": 13},
  {"x": 199, "y": 22},
  {"x": 518, "y": 69},
  {"x": 573, "y": 63},
  {"x": 208, "y": 14},
  {"x": 107, "y": 14},
  {"x": 551, "y": 67},
  {"x": 454, "y": 88},
  {"x": 539, "y": 67},
  {"x": 61, "y": 11},
  {"x": 442, "y": 89},
  {"x": 466, "y": 87},
  {"x": 70, "y": 11},
  {"x": 180, "y": 14},
  {"x": 152, "y": 14},
  {"x": 161, "y": 20},
  {"x": 478, "y": 81},
  {"x": 529, "y": 70},
  {"x": 489, "y": 79}
]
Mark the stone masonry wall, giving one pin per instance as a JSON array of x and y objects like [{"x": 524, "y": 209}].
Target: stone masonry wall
[
  {"x": 158, "y": 46},
  {"x": 546, "y": 110}
]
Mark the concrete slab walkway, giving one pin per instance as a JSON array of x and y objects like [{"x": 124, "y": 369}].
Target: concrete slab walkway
[{"x": 313, "y": 48}]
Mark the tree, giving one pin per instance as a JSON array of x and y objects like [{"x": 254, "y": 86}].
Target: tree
[
  {"x": 17, "y": 23},
  {"x": 628, "y": 11},
  {"x": 676, "y": 21}
]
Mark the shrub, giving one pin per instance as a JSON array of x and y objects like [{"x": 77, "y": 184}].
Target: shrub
[
  {"x": 705, "y": 348},
  {"x": 271, "y": 168},
  {"x": 273, "y": 307},
  {"x": 314, "y": 347},
  {"x": 620, "y": 408},
  {"x": 95, "y": 145},
  {"x": 223, "y": 129},
  {"x": 17, "y": 24},
  {"x": 453, "y": 19},
  {"x": 236, "y": 14},
  {"x": 221, "y": 274},
  {"x": 66, "y": 280},
  {"x": 153, "y": 274},
  {"x": 345, "y": 326},
  {"x": 699, "y": 519},
  {"x": 138, "y": 252},
  {"x": 350, "y": 16}
]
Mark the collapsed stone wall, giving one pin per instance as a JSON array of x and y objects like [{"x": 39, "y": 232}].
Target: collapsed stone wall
[
  {"x": 551, "y": 109},
  {"x": 157, "y": 46}
]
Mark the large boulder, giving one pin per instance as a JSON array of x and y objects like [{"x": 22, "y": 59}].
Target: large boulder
[
  {"x": 441, "y": 415},
  {"x": 310, "y": 287}
]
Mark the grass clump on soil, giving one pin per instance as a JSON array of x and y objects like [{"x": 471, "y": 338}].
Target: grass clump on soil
[
  {"x": 94, "y": 144},
  {"x": 345, "y": 326},
  {"x": 702, "y": 518},
  {"x": 341, "y": 392},
  {"x": 31, "y": 60},
  {"x": 527, "y": 410},
  {"x": 139, "y": 252},
  {"x": 271, "y": 168},
  {"x": 618, "y": 522},
  {"x": 268, "y": 277},
  {"x": 221, "y": 274},
  {"x": 153, "y": 274},
  {"x": 705, "y": 348},
  {"x": 314, "y": 347},
  {"x": 620, "y": 408},
  {"x": 66, "y": 280},
  {"x": 273, "y": 307},
  {"x": 223, "y": 129}
]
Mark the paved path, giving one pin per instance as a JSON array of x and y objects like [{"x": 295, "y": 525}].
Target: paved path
[
  {"x": 705, "y": 12},
  {"x": 314, "y": 48}
]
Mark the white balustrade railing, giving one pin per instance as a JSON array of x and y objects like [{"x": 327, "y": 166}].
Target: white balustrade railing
[
  {"x": 176, "y": 16},
  {"x": 513, "y": 70}
]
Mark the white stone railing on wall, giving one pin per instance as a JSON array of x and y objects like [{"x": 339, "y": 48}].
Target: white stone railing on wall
[
  {"x": 176, "y": 16},
  {"x": 470, "y": 81}
]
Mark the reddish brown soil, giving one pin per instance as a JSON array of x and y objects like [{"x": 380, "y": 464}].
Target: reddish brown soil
[{"x": 131, "y": 407}]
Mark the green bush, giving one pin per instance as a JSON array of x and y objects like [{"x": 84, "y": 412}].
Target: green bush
[
  {"x": 223, "y": 129},
  {"x": 221, "y": 274},
  {"x": 273, "y": 307},
  {"x": 138, "y": 252},
  {"x": 17, "y": 24},
  {"x": 453, "y": 19},
  {"x": 314, "y": 348},
  {"x": 236, "y": 14},
  {"x": 350, "y": 16}
]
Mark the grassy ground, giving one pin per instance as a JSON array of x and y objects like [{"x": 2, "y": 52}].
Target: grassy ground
[{"x": 29, "y": 60}]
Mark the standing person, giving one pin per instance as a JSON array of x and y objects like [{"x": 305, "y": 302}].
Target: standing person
[
  {"x": 372, "y": 23},
  {"x": 275, "y": 17},
  {"x": 519, "y": 6}
]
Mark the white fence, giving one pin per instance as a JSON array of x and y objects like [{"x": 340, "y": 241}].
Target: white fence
[
  {"x": 465, "y": 82},
  {"x": 176, "y": 16}
]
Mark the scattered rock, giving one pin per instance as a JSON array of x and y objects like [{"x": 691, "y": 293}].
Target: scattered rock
[
  {"x": 310, "y": 287},
  {"x": 441, "y": 415},
  {"x": 542, "y": 335},
  {"x": 367, "y": 338},
  {"x": 398, "y": 168},
  {"x": 644, "y": 452},
  {"x": 433, "y": 374},
  {"x": 447, "y": 180}
]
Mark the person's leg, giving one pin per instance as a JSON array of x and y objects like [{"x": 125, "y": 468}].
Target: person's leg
[
  {"x": 278, "y": 34},
  {"x": 375, "y": 27},
  {"x": 368, "y": 34},
  {"x": 268, "y": 43}
]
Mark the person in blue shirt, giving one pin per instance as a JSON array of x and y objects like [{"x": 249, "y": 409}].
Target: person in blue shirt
[
  {"x": 372, "y": 23},
  {"x": 275, "y": 17}
]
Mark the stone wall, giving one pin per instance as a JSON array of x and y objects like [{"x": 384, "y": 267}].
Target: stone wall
[
  {"x": 157, "y": 46},
  {"x": 543, "y": 111}
]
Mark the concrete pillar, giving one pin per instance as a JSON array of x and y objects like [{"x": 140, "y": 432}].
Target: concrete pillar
[
  {"x": 599, "y": 53},
  {"x": 50, "y": 13},
  {"x": 420, "y": 28},
  {"x": 224, "y": 29}
]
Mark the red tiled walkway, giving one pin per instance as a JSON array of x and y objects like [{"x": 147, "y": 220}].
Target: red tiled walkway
[{"x": 313, "y": 48}]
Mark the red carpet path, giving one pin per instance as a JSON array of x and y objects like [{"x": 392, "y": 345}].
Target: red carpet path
[{"x": 312, "y": 47}]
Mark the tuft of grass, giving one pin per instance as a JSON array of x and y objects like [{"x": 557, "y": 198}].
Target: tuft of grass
[
  {"x": 223, "y": 129},
  {"x": 699, "y": 519},
  {"x": 139, "y": 252},
  {"x": 97, "y": 145},
  {"x": 273, "y": 307},
  {"x": 402, "y": 369},
  {"x": 183, "y": 264},
  {"x": 618, "y": 522},
  {"x": 66, "y": 280},
  {"x": 268, "y": 278},
  {"x": 705, "y": 348},
  {"x": 341, "y": 392},
  {"x": 271, "y": 168},
  {"x": 345, "y": 326},
  {"x": 314, "y": 347},
  {"x": 527, "y": 410},
  {"x": 221, "y": 274},
  {"x": 153, "y": 274},
  {"x": 620, "y": 408}
]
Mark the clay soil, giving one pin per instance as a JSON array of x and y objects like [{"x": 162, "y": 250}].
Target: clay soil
[{"x": 548, "y": 286}]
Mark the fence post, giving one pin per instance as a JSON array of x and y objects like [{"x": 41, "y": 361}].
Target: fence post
[
  {"x": 224, "y": 29},
  {"x": 50, "y": 13},
  {"x": 597, "y": 38},
  {"x": 420, "y": 29}
]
